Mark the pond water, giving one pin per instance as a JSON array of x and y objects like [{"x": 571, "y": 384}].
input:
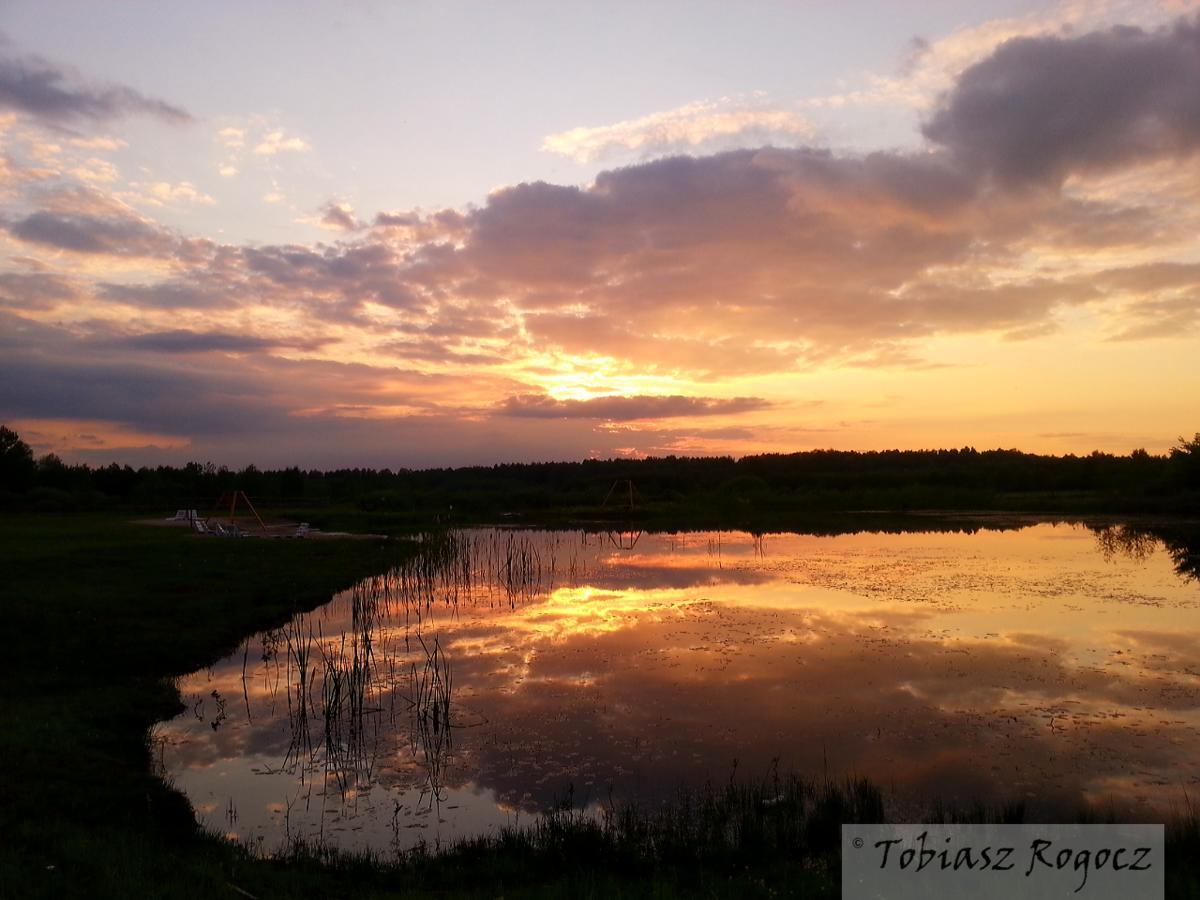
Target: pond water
[{"x": 504, "y": 672}]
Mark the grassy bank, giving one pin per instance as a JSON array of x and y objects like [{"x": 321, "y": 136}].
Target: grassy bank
[{"x": 102, "y": 614}]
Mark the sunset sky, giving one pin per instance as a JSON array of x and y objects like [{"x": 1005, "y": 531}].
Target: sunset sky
[{"x": 440, "y": 233}]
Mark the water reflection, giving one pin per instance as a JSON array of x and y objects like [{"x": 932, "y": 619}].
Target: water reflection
[
  {"x": 1181, "y": 543},
  {"x": 502, "y": 670}
]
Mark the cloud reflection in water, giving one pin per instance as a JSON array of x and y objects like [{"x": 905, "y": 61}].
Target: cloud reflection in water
[{"x": 994, "y": 666}]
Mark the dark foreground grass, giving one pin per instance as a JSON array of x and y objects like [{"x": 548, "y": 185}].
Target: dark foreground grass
[{"x": 100, "y": 614}]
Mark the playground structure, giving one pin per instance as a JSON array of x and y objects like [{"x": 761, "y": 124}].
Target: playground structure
[
  {"x": 621, "y": 483},
  {"x": 215, "y": 523},
  {"x": 232, "y": 498}
]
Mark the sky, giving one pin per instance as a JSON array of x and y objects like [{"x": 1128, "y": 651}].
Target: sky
[{"x": 421, "y": 234}]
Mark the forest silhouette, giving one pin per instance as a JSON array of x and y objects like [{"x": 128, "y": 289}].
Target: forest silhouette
[{"x": 813, "y": 481}]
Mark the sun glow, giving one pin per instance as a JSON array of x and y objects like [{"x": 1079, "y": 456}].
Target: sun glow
[{"x": 586, "y": 377}]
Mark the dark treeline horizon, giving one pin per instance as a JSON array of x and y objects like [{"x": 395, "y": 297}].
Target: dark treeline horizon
[{"x": 812, "y": 479}]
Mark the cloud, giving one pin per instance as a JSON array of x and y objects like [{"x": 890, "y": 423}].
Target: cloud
[
  {"x": 929, "y": 68},
  {"x": 339, "y": 216},
  {"x": 89, "y": 221},
  {"x": 337, "y": 280},
  {"x": 918, "y": 49},
  {"x": 737, "y": 120},
  {"x": 57, "y": 95},
  {"x": 184, "y": 341},
  {"x": 163, "y": 192},
  {"x": 440, "y": 351},
  {"x": 1165, "y": 317},
  {"x": 155, "y": 398},
  {"x": 1039, "y": 109},
  {"x": 604, "y": 336},
  {"x": 276, "y": 142},
  {"x": 232, "y": 138},
  {"x": 1151, "y": 277},
  {"x": 753, "y": 247},
  {"x": 253, "y": 406},
  {"x": 623, "y": 409},
  {"x": 81, "y": 233},
  {"x": 100, "y": 142},
  {"x": 95, "y": 170},
  {"x": 169, "y": 295},
  {"x": 658, "y": 283},
  {"x": 35, "y": 290},
  {"x": 396, "y": 220}
]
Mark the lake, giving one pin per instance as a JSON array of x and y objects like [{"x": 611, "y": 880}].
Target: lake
[{"x": 504, "y": 672}]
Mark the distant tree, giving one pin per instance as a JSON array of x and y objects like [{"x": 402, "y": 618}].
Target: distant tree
[
  {"x": 52, "y": 472},
  {"x": 16, "y": 461},
  {"x": 1187, "y": 447},
  {"x": 1185, "y": 461},
  {"x": 291, "y": 483}
]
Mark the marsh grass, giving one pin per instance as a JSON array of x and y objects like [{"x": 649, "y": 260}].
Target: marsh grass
[{"x": 779, "y": 835}]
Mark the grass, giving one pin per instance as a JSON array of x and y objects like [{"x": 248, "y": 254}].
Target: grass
[{"x": 103, "y": 614}]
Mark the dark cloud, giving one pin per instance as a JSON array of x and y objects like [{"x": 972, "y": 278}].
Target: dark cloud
[
  {"x": 166, "y": 295},
  {"x": 618, "y": 409},
  {"x": 242, "y": 407},
  {"x": 35, "y": 290},
  {"x": 155, "y": 398},
  {"x": 1040, "y": 108},
  {"x": 336, "y": 280},
  {"x": 54, "y": 94},
  {"x": 82, "y": 233},
  {"x": 337, "y": 216},
  {"x": 183, "y": 341},
  {"x": 769, "y": 243},
  {"x": 396, "y": 220},
  {"x": 20, "y": 333}
]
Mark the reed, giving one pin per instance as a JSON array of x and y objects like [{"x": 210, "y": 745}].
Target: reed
[{"x": 431, "y": 732}]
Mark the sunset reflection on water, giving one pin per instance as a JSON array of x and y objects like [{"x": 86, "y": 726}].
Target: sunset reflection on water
[{"x": 1044, "y": 664}]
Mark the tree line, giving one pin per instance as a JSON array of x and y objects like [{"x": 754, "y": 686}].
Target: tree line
[{"x": 963, "y": 478}]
